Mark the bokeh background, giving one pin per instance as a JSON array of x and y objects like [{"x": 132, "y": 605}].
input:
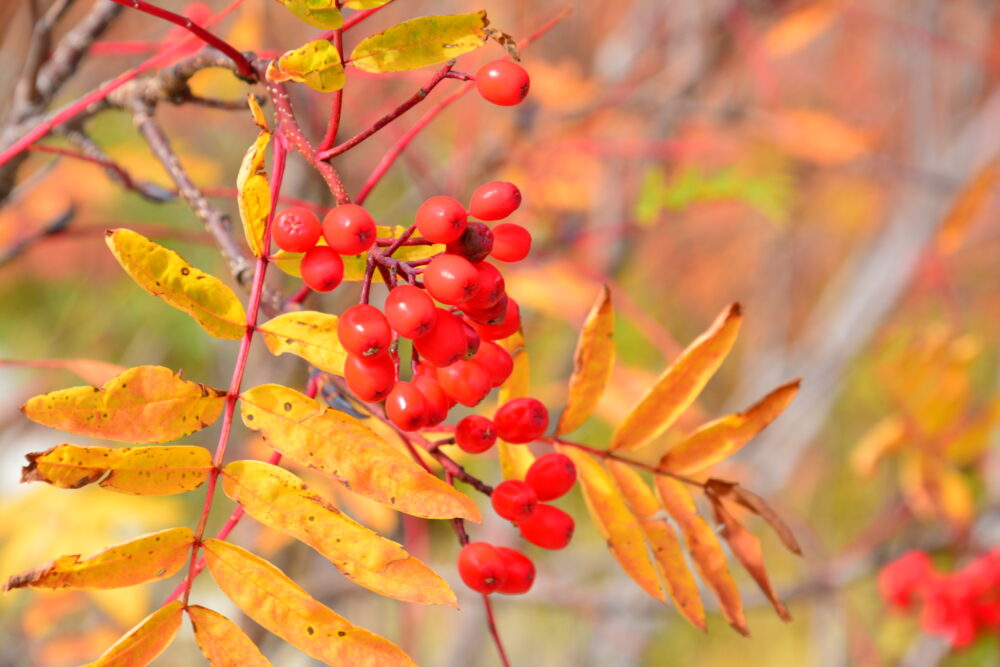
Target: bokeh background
[{"x": 830, "y": 165}]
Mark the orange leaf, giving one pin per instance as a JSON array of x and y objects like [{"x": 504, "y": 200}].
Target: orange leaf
[
  {"x": 148, "y": 558},
  {"x": 966, "y": 207},
  {"x": 146, "y": 640},
  {"x": 281, "y": 500},
  {"x": 799, "y": 28},
  {"x": 143, "y": 404},
  {"x": 270, "y": 598},
  {"x": 723, "y": 437},
  {"x": 592, "y": 364},
  {"x": 222, "y": 642},
  {"x": 93, "y": 371},
  {"x": 616, "y": 522},
  {"x": 663, "y": 543},
  {"x": 818, "y": 137},
  {"x": 884, "y": 437},
  {"x": 515, "y": 459},
  {"x": 679, "y": 385},
  {"x": 706, "y": 552},
  {"x": 154, "y": 471},
  {"x": 343, "y": 448},
  {"x": 758, "y": 506}
]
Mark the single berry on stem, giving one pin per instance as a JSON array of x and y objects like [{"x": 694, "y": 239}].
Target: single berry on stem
[
  {"x": 548, "y": 527},
  {"x": 322, "y": 268},
  {"x": 406, "y": 407},
  {"x": 349, "y": 229},
  {"x": 364, "y": 331},
  {"x": 503, "y": 82},
  {"x": 521, "y": 420},
  {"x": 520, "y": 572},
  {"x": 511, "y": 242},
  {"x": 441, "y": 219},
  {"x": 551, "y": 476},
  {"x": 296, "y": 229},
  {"x": 475, "y": 434},
  {"x": 445, "y": 344},
  {"x": 481, "y": 567},
  {"x": 451, "y": 279},
  {"x": 370, "y": 378},
  {"x": 514, "y": 500},
  {"x": 410, "y": 311},
  {"x": 494, "y": 200}
]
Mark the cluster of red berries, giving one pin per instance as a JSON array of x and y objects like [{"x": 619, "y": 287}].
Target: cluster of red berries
[
  {"x": 503, "y": 82},
  {"x": 347, "y": 229},
  {"x": 488, "y": 569},
  {"x": 960, "y": 605}
]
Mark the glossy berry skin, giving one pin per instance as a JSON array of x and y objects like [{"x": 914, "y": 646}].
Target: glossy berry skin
[
  {"x": 349, "y": 229},
  {"x": 551, "y": 476},
  {"x": 481, "y": 567},
  {"x": 474, "y": 244},
  {"x": 322, "y": 269},
  {"x": 364, "y": 331},
  {"x": 464, "y": 381},
  {"x": 511, "y": 243},
  {"x": 503, "y": 82},
  {"x": 406, "y": 407},
  {"x": 514, "y": 500},
  {"x": 521, "y": 420},
  {"x": 491, "y": 287},
  {"x": 441, "y": 219},
  {"x": 437, "y": 401},
  {"x": 548, "y": 527},
  {"x": 494, "y": 200},
  {"x": 475, "y": 434},
  {"x": 508, "y": 325},
  {"x": 451, "y": 279},
  {"x": 472, "y": 341},
  {"x": 492, "y": 315},
  {"x": 370, "y": 378},
  {"x": 410, "y": 311},
  {"x": 496, "y": 361},
  {"x": 445, "y": 344},
  {"x": 296, "y": 229},
  {"x": 520, "y": 572}
]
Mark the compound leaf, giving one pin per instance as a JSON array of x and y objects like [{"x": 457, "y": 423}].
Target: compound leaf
[
  {"x": 421, "y": 42},
  {"x": 308, "y": 334},
  {"x": 222, "y": 642},
  {"x": 592, "y": 364},
  {"x": 145, "y": 641}
]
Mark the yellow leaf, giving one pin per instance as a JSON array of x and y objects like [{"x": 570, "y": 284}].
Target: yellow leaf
[
  {"x": 677, "y": 388},
  {"x": 421, "y": 42},
  {"x": 259, "y": 119},
  {"x": 165, "y": 274},
  {"x": 967, "y": 205},
  {"x": 818, "y": 137},
  {"x": 799, "y": 28},
  {"x": 515, "y": 459},
  {"x": 307, "y": 334},
  {"x": 972, "y": 439},
  {"x": 592, "y": 364},
  {"x": 279, "y": 499},
  {"x": 148, "y": 558},
  {"x": 343, "y": 448},
  {"x": 704, "y": 547},
  {"x": 151, "y": 471},
  {"x": 365, "y": 4},
  {"x": 146, "y": 640},
  {"x": 316, "y": 64},
  {"x": 616, "y": 522},
  {"x": 954, "y": 497},
  {"x": 270, "y": 598},
  {"x": 222, "y": 642},
  {"x": 884, "y": 437},
  {"x": 663, "y": 543},
  {"x": 322, "y": 14},
  {"x": 253, "y": 194},
  {"x": 723, "y": 437},
  {"x": 143, "y": 404}
]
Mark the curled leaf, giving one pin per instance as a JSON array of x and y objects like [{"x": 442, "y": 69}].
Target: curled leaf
[
  {"x": 322, "y": 14},
  {"x": 145, "y": 641},
  {"x": 307, "y": 334},
  {"x": 592, "y": 364},
  {"x": 420, "y": 42},
  {"x": 222, "y": 642},
  {"x": 253, "y": 194},
  {"x": 316, "y": 64}
]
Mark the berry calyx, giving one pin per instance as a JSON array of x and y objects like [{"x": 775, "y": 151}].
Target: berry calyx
[
  {"x": 464, "y": 381},
  {"x": 503, "y": 82},
  {"x": 521, "y": 420},
  {"x": 296, "y": 229},
  {"x": 322, "y": 268},
  {"x": 511, "y": 243},
  {"x": 406, "y": 407},
  {"x": 364, "y": 331},
  {"x": 520, "y": 572},
  {"x": 451, "y": 279},
  {"x": 481, "y": 567},
  {"x": 349, "y": 229},
  {"x": 475, "y": 434},
  {"x": 494, "y": 200},
  {"x": 505, "y": 326},
  {"x": 474, "y": 244},
  {"x": 514, "y": 500},
  {"x": 551, "y": 476},
  {"x": 491, "y": 287},
  {"x": 370, "y": 378},
  {"x": 495, "y": 360},
  {"x": 445, "y": 344},
  {"x": 548, "y": 527},
  {"x": 441, "y": 219},
  {"x": 410, "y": 311}
]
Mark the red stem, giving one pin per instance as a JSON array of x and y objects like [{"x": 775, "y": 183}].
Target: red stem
[
  {"x": 354, "y": 19},
  {"x": 242, "y": 64},
  {"x": 126, "y": 179},
  {"x": 336, "y": 106},
  {"x": 492, "y": 625}
]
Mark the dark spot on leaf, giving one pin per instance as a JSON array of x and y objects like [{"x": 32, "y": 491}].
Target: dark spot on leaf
[
  {"x": 341, "y": 633},
  {"x": 185, "y": 271},
  {"x": 288, "y": 406},
  {"x": 310, "y": 630}
]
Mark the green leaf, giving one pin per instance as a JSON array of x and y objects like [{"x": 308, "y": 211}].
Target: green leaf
[
  {"x": 421, "y": 42},
  {"x": 317, "y": 13},
  {"x": 365, "y": 4},
  {"x": 316, "y": 64}
]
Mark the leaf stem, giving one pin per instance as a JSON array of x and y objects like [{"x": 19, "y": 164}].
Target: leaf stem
[{"x": 607, "y": 454}]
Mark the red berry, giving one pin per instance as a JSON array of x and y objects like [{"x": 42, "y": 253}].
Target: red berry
[
  {"x": 521, "y": 420},
  {"x": 520, "y": 572},
  {"x": 322, "y": 268},
  {"x": 511, "y": 243},
  {"x": 514, "y": 500},
  {"x": 295, "y": 229},
  {"x": 451, "y": 279},
  {"x": 364, "y": 331},
  {"x": 551, "y": 476},
  {"x": 445, "y": 344},
  {"x": 901, "y": 581},
  {"x": 474, "y": 244},
  {"x": 465, "y": 381},
  {"x": 410, "y": 311},
  {"x": 548, "y": 527},
  {"x": 437, "y": 401},
  {"x": 510, "y": 323},
  {"x": 491, "y": 287},
  {"x": 406, "y": 407},
  {"x": 441, "y": 219},
  {"x": 494, "y": 200},
  {"x": 496, "y": 361},
  {"x": 349, "y": 229},
  {"x": 475, "y": 434},
  {"x": 503, "y": 82},
  {"x": 472, "y": 341},
  {"x": 481, "y": 567},
  {"x": 493, "y": 315},
  {"x": 370, "y": 378}
]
